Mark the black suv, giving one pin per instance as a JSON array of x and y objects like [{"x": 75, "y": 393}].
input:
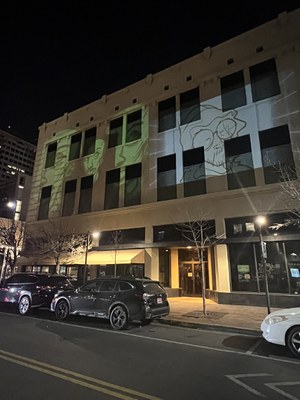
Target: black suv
[
  {"x": 31, "y": 290},
  {"x": 118, "y": 299}
]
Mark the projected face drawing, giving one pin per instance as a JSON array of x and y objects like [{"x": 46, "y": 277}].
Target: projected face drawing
[{"x": 217, "y": 127}]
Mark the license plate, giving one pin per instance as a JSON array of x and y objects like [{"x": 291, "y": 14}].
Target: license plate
[{"x": 159, "y": 300}]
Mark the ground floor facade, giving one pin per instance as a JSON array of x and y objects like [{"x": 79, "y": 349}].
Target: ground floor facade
[{"x": 146, "y": 241}]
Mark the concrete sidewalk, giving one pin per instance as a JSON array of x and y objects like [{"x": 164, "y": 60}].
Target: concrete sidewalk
[{"x": 188, "y": 312}]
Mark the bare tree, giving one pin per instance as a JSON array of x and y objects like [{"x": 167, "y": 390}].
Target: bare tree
[
  {"x": 117, "y": 238},
  {"x": 58, "y": 242},
  {"x": 200, "y": 232},
  {"x": 290, "y": 185},
  {"x": 11, "y": 238}
]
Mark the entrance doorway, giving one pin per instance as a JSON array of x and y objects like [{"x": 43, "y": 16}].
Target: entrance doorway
[{"x": 190, "y": 276}]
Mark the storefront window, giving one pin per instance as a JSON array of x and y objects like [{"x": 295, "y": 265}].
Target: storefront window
[
  {"x": 164, "y": 267},
  {"x": 282, "y": 264},
  {"x": 243, "y": 267}
]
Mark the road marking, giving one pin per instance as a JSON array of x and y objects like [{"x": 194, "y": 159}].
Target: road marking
[
  {"x": 111, "y": 332},
  {"x": 235, "y": 379},
  {"x": 71, "y": 376},
  {"x": 282, "y": 392},
  {"x": 254, "y": 347}
]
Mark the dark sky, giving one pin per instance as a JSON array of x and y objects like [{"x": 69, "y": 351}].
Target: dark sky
[{"x": 59, "y": 56}]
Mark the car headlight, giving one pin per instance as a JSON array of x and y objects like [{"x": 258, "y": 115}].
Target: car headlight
[{"x": 275, "y": 319}]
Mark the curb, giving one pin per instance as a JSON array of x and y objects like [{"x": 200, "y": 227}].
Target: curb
[{"x": 211, "y": 327}]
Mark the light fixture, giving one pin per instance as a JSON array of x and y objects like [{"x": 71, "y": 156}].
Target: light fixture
[
  {"x": 89, "y": 235},
  {"x": 260, "y": 221}
]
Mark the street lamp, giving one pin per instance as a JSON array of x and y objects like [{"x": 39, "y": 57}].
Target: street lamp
[
  {"x": 260, "y": 221},
  {"x": 89, "y": 235}
]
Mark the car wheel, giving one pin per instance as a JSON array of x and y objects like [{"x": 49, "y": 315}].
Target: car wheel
[
  {"x": 146, "y": 321},
  {"x": 293, "y": 341},
  {"x": 24, "y": 305},
  {"x": 61, "y": 310},
  {"x": 118, "y": 318}
]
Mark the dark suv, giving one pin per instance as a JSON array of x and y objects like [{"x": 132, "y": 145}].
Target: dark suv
[
  {"x": 30, "y": 290},
  {"x": 118, "y": 299}
]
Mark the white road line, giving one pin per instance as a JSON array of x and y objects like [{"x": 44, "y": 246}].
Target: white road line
[
  {"x": 282, "y": 392},
  {"x": 254, "y": 347},
  {"x": 235, "y": 379},
  {"x": 175, "y": 342}
]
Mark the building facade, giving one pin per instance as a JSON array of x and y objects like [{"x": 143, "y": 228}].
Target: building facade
[
  {"x": 206, "y": 137},
  {"x": 17, "y": 158}
]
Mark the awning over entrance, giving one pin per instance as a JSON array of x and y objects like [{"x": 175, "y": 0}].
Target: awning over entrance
[{"x": 130, "y": 256}]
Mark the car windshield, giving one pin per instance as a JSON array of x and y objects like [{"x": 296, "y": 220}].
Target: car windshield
[{"x": 153, "y": 287}]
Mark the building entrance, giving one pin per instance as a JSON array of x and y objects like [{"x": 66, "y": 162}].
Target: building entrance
[
  {"x": 190, "y": 275},
  {"x": 190, "y": 279}
]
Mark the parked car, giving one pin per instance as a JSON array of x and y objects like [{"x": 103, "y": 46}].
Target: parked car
[
  {"x": 31, "y": 290},
  {"x": 282, "y": 327},
  {"x": 119, "y": 300}
]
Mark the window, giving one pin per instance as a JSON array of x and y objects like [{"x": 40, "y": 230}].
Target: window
[
  {"x": 133, "y": 184},
  {"x": 69, "y": 197},
  {"x": 75, "y": 147},
  {"x": 233, "y": 91},
  {"x": 86, "y": 191},
  {"x": 189, "y": 106},
  {"x": 264, "y": 80},
  {"x": 51, "y": 154},
  {"x": 276, "y": 152},
  {"x": 112, "y": 185},
  {"x": 89, "y": 141},
  {"x": 108, "y": 286},
  {"x": 44, "y": 202},
  {"x": 166, "y": 177},
  {"x": 194, "y": 172},
  {"x": 239, "y": 163},
  {"x": 166, "y": 114},
  {"x": 115, "y": 132},
  {"x": 134, "y": 126}
]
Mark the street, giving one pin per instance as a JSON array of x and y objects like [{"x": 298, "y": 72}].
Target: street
[{"x": 84, "y": 359}]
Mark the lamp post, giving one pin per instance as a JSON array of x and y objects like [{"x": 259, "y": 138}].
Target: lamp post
[
  {"x": 260, "y": 221},
  {"x": 89, "y": 234}
]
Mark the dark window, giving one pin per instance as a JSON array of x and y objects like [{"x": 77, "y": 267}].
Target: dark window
[
  {"x": 124, "y": 236},
  {"x": 108, "y": 286},
  {"x": 276, "y": 153},
  {"x": 86, "y": 191},
  {"x": 115, "y": 132},
  {"x": 51, "y": 154},
  {"x": 75, "y": 146},
  {"x": 264, "y": 80},
  {"x": 194, "y": 172},
  {"x": 134, "y": 126},
  {"x": 166, "y": 114},
  {"x": 239, "y": 163},
  {"x": 166, "y": 177},
  {"x": 45, "y": 202},
  {"x": 89, "y": 141},
  {"x": 233, "y": 91},
  {"x": 189, "y": 106},
  {"x": 22, "y": 182},
  {"x": 69, "y": 197},
  {"x": 124, "y": 286},
  {"x": 133, "y": 184},
  {"x": 112, "y": 185}
]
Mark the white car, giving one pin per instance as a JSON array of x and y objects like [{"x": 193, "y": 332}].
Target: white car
[{"x": 283, "y": 327}]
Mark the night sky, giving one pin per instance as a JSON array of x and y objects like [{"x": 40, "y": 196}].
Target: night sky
[{"x": 59, "y": 56}]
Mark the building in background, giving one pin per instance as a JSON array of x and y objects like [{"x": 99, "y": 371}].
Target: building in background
[
  {"x": 204, "y": 137},
  {"x": 17, "y": 158}
]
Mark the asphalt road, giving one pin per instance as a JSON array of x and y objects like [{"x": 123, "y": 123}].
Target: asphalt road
[{"x": 85, "y": 359}]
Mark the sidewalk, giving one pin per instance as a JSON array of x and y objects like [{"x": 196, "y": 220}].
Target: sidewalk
[{"x": 188, "y": 312}]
